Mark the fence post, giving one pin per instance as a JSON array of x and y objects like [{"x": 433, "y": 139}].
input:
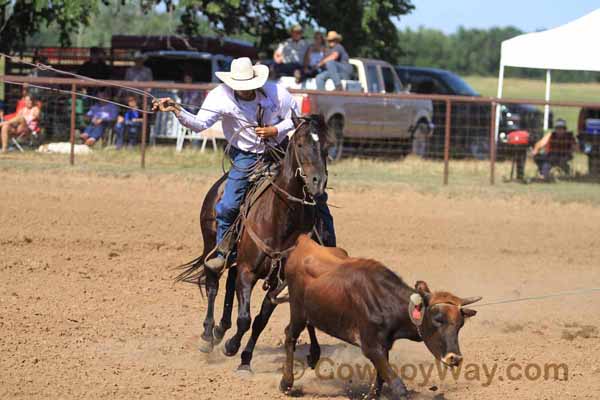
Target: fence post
[
  {"x": 144, "y": 128},
  {"x": 72, "y": 131},
  {"x": 493, "y": 144},
  {"x": 447, "y": 140}
]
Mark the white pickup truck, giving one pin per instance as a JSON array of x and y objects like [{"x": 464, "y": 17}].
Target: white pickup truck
[{"x": 375, "y": 123}]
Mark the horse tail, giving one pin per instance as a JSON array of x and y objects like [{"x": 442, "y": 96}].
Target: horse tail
[{"x": 193, "y": 271}]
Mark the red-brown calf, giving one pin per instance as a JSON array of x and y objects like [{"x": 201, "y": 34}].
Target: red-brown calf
[{"x": 362, "y": 302}]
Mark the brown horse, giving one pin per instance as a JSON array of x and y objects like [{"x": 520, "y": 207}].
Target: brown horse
[{"x": 283, "y": 211}]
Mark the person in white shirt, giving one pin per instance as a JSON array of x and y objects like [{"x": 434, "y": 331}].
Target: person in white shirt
[
  {"x": 289, "y": 55},
  {"x": 235, "y": 103}
]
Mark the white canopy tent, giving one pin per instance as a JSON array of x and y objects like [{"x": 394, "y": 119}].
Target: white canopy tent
[{"x": 571, "y": 46}]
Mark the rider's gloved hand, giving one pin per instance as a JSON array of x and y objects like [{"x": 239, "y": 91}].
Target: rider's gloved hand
[
  {"x": 266, "y": 132},
  {"x": 166, "y": 104}
]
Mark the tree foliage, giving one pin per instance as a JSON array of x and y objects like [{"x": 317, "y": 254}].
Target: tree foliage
[
  {"x": 470, "y": 52},
  {"x": 367, "y": 24},
  {"x": 19, "y": 19}
]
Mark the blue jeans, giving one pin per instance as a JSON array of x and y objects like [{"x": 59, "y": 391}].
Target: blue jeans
[
  {"x": 236, "y": 186},
  {"x": 235, "y": 189},
  {"x": 94, "y": 131},
  {"x": 133, "y": 133},
  {"x": 336, "y": 71},
  {"x": 545, "y": 162}
]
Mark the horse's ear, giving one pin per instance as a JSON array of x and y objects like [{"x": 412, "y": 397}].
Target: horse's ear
[{"x": 295, "y": 119}]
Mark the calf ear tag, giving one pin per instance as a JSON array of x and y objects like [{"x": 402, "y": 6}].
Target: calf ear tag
[{"x": 416, "y": 309}]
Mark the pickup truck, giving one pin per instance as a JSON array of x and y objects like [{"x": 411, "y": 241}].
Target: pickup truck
[
  {"x": 374, "y": 123},
  {"x": 470, "y": 128}
]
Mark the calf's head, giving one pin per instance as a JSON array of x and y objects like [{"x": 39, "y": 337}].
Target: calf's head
[{"x": 439, "y": 316}]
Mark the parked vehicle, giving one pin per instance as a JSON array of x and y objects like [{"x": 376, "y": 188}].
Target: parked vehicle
[
  {"x": 170, "y": 66},
  {"x": 588, "y": 128},
  {"x": 470, "y": 128},
  {"x": 371, "y": 123}
]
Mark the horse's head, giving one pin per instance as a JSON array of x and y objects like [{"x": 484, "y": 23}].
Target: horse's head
[{"x": 308, "y": 149}]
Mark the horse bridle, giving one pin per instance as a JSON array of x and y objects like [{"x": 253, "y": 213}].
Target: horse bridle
[{"x": 299, "y": 172}]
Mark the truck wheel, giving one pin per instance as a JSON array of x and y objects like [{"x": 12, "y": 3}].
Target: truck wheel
[{"x": 336, "y": 134}]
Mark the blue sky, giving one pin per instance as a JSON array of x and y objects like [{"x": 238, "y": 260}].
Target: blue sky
[{"x": 527, "y": 15}]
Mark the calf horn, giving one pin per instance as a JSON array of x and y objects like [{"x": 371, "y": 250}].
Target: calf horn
[{"x": 470, "y": 300}]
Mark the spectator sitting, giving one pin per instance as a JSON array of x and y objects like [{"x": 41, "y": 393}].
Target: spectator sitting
[
  {"x": 558, "y": 147},
  {"x": 313, "y": 56},
  {"x": 335, "y": 62},
  {"x": 20, "y": 104},
  {"x": 25, "y": 122},
  {"x": 289, "y": 56},
  {"x": 131, "y": 124},
  {"x": 101, "y": 114}
]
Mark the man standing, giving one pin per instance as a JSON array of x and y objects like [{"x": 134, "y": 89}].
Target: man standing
[
  {"x": 335, "y": 63},
  {"x": 558, "y": 147},
  {"x": 236, "y": 102},
  {"x": 289, "y": 56},
  {"x": 96, "y": 66}
]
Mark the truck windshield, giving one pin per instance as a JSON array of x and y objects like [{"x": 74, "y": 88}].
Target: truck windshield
[{"x": 459, "y": 86}]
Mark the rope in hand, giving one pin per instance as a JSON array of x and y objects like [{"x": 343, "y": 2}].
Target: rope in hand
[
  {"x": 44, "y": 67},
  {"x": 546, "y": 296}
]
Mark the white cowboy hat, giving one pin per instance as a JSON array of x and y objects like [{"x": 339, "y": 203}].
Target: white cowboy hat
[
  {"x": 333, "y": 35},
  {"x": 244, "y": 75}
]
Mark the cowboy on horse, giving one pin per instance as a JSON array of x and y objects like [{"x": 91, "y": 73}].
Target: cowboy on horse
[{"x": 244, "y": 97}]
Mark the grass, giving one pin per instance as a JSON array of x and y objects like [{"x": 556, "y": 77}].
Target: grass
[
  {"x": 536, "y": 89},
  {"x": 467, "y": 177}
]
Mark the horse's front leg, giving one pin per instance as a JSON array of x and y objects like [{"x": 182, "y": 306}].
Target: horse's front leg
[
  {"x": 260, "y": 322},
  {"x": 212, "y": 288},
  {"x": 225, "y": 324},
  {"x": 315, "y": 350},
  {"x": 244, "y": 283}
]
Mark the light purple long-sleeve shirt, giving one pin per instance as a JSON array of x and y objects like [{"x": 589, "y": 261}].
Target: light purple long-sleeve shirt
[{"x": 221, "y": 104}]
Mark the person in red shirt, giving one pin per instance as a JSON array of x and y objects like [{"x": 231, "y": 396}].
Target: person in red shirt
[
  {"x": 555, "y": 149},
  {"x": 20, "y": 104},
  {"x": 25, "y": 122}
]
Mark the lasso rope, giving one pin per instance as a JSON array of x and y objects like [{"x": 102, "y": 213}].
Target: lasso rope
[{"x": 546, "y": 296}]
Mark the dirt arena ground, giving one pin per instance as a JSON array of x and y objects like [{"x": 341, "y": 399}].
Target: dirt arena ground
[{"x": 88, "y": 308}]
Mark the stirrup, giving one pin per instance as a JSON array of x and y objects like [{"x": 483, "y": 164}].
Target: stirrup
[{"x": 280, "y": 294}]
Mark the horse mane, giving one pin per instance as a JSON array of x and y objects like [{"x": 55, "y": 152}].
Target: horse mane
[{"x": 317, "y": 124}]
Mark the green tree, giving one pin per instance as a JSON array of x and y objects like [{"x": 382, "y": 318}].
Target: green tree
[
  {"x": 367, "y": 24},
  {"x": 19, "y": 19}
]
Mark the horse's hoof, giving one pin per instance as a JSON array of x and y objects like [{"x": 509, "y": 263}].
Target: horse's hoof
[
  {"x": 218, "y": 335},
  {"x": 206, "y": 346},
  {"x": 228, "y": 350},
  {"x": 312, "y": 360},
  {"x": 244, "y": 370},
  {"x": 285, "y": 386}
]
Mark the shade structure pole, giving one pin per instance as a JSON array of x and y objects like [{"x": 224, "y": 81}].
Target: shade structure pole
[
  {"x": 498, "y": 107},
  {"x": 547, "y": 98}
]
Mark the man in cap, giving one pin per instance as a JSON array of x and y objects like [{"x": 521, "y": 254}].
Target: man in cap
[
  {"x": 555, "y": 149},
  {"x": 335, "y": 63},
  {"x": 235, "y": 102},
  {"x": 289, "y": 55}
]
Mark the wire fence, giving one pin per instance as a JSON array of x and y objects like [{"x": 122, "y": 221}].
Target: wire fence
[{"x": 458, "y": 128}]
